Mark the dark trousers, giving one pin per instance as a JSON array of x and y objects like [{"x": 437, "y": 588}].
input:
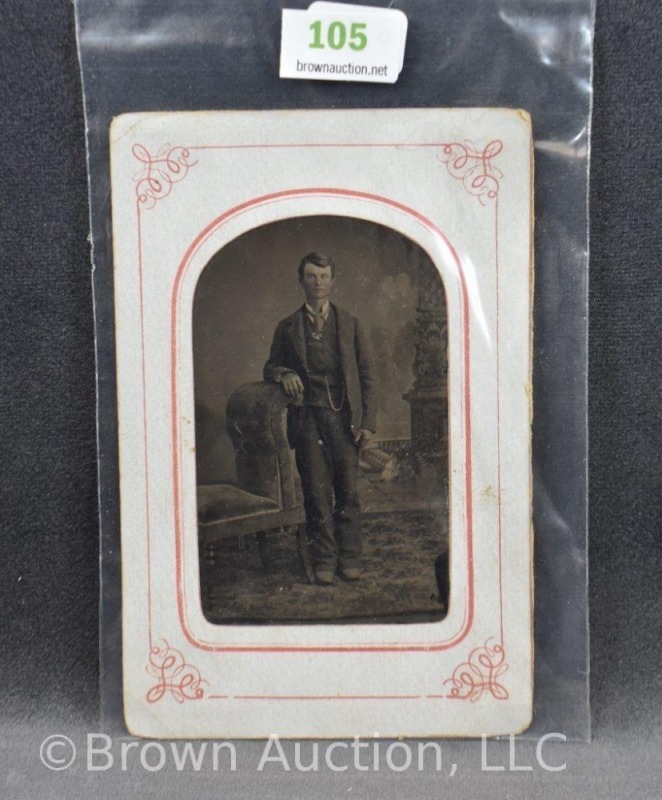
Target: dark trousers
[{"x": 328, "y": 464}]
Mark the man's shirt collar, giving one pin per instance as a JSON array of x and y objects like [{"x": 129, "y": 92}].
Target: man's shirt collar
[{"x": 324, "y": 313}]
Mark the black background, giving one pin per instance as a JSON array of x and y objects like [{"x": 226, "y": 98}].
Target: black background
[{"x": 48, "y": 504}]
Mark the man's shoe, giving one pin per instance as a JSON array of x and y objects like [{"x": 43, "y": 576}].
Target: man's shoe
[
  {"x": 350, "y": 573},
  {"x": 324, "y": 577}
]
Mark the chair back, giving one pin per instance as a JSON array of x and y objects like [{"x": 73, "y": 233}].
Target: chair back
[{"x": 257, "y": 427}]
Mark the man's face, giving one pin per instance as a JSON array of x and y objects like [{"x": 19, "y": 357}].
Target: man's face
[{"x": 317, "y": 283}]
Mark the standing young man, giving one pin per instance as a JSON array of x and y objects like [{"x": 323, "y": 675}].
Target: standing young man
[{"x": 320, "y": 357}]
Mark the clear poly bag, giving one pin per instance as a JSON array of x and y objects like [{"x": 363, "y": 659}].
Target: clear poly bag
[{"x": 534, "y": 55}]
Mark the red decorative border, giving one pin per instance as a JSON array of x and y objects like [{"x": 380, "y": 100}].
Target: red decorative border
[
  {"x": 480, "y": 673},
  {"x": 177, "y": 457},
  {"x": 481, "y": 179}
]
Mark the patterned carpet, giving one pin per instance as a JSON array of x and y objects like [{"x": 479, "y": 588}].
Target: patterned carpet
[{"x": 398, "y": 581}]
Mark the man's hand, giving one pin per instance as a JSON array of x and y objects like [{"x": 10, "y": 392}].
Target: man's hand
[
  {"x": 292, "y": 385},
  {"x": 363, "y": 437}
]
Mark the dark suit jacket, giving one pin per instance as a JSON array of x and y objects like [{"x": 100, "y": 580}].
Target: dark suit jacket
[{"x": 288, "y": 354}]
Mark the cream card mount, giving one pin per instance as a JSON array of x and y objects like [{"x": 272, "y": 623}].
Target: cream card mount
[{"x": 427, "y": 215}]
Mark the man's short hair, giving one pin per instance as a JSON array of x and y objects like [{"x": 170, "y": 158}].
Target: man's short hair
[{"x": 318, "y": 260}]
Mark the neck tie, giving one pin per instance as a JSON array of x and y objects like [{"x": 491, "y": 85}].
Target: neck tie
[{"x": 318, "y": 322}]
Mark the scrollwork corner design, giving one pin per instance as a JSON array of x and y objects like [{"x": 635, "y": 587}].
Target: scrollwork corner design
[
  {"x": 474, "y": 167},
  {"x": 173, "y": 675},
  {"x": 160, "y": 172},
  {"x": 481, "y": 673}
]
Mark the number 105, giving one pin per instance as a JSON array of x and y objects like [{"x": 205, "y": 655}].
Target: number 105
[{"x": 336, "y": 35}]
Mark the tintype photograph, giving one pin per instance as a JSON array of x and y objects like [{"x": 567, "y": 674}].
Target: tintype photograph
[
  {"x": 320, "y": 375},
  {"x": 323, "y": 361}
]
